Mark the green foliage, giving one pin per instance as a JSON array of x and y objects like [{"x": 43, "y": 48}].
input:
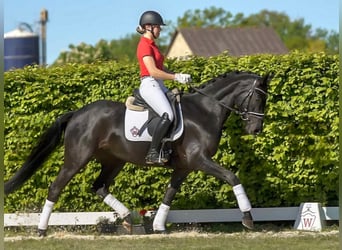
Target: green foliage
[
  {"x": 296, "y": 34},
  {"x": 294, "y": 160},
  {"x": 118, "y": 50},
  {"x": 211, "y": 17}
]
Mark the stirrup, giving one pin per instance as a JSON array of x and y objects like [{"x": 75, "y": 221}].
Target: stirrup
[
  {"x": 154, "y": 158},
  {"x": 165, "y": 155},
  {"x": 151, "y": 161}
]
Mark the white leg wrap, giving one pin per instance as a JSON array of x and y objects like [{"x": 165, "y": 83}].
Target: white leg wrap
[
  {"x": 45, "y": 215},
  {"x": 116, "y": 205},
  {"x": 242, "y": 198},
  {"x": 160, "y": 218}
]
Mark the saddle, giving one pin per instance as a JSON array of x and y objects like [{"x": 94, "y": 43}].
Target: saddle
[{"x": 145, "y": 117}]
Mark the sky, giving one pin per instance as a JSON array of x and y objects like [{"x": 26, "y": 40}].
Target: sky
[{"x": 88, "y": 21}]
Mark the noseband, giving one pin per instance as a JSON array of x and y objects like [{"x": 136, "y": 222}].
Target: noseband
[{"x": 242, "y": 113}]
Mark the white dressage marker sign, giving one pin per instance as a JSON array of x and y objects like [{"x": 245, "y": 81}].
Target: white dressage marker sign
[{"x": 310, "y": 217}]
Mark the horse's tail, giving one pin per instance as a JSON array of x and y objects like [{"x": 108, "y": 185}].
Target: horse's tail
[{"x": 46, "y": 145}]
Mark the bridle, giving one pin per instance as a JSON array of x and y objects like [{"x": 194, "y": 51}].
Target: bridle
[{"x": 244, "y": 114}]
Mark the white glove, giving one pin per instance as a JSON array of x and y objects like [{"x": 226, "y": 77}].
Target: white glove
[{"x": 183, "y": 78}]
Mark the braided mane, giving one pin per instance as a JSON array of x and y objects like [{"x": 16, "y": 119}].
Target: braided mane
[{"x": 222, "y": 76}]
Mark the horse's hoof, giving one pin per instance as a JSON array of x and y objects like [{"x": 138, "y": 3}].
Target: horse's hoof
[
  {"x": 42, "y": 232},
  {"x": 127, "y": 224},
  {"x": 247, "y": 220}
]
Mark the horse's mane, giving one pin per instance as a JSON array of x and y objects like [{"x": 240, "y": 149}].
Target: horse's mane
[{"x": 231, "y": 74}]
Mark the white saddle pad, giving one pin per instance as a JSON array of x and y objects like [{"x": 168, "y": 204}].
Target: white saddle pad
[{"x": 134, "y": 120}]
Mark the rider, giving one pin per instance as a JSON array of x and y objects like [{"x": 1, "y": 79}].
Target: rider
[{"x": 153, "y": 73}]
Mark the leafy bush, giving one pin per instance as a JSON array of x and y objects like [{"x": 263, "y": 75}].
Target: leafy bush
[{"x": 294, "y": 160}]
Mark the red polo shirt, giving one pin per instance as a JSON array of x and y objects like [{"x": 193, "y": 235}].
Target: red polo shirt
[{"x": 147, "y": 47}]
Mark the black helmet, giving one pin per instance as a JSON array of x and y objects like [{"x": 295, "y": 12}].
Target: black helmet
[{"x": 151, "y": 17}]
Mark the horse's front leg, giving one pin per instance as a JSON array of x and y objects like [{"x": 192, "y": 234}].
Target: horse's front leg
[
  {"x": 177, "y": 178},
  {"x": 210, "y": 167}
]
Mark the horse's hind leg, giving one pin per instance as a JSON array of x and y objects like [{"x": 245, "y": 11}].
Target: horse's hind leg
[
  {"x": 72, "y": 165},
  {"x": 101, "y": 188},
  {"x": 64, "y": 176}
]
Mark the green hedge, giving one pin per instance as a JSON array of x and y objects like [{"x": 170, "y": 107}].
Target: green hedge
[{"x": 294, "y": 160}]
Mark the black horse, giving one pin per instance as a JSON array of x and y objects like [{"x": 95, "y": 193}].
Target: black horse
[{"x": 97, "y": 131}]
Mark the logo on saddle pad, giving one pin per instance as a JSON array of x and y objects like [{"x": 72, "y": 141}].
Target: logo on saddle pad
[{"x": 136, "y": 129}]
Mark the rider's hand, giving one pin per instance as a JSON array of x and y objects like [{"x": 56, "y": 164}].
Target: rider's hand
[{"x": 182, "y": 78}]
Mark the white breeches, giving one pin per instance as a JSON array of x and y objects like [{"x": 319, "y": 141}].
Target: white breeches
[{"x": 153, "y": 91}]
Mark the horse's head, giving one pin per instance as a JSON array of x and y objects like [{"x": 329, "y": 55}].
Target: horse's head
[
  {"x": 244, "y": 93},
  {"x": 251, "y": 104}
]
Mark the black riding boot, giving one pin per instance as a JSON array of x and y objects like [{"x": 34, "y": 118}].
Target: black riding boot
[{"x": 154, "y": 156}]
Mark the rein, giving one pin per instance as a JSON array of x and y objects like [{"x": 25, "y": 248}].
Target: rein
[{"x": 243, "y": 113}]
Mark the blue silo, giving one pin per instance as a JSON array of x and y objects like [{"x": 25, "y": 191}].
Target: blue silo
[{"x": 21, "y": 48}]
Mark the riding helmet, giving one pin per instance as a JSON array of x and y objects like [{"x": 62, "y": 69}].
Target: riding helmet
[{"x": 151, "y": 17}]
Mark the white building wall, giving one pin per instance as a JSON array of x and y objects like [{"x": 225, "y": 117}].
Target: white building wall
[{"x": 179, "y": 48}]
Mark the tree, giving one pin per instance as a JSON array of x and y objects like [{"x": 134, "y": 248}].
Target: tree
[
  {"x": 212, "y": 17},
  {"x": 118, "y": 50},
  {"x": 296, "y": 35}
]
